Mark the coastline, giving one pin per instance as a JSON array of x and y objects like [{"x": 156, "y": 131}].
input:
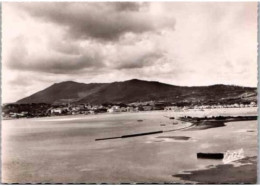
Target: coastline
[
  {"x": 80, "y": 134},
  {"x": 243, "y": 171},
  {"x": 226, "y": 173},
  {"x": 191, "y": 112},
  {"x": 214, "y": 122}
]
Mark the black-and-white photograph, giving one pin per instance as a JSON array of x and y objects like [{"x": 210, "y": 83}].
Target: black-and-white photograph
[{"x": 129, "y": 92}]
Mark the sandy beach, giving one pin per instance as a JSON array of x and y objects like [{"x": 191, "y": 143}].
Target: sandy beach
[{"x": 64, "y": 150}]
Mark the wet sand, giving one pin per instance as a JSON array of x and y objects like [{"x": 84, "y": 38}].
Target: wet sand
[
  {"x": 175, "y": 137},
  {"x": 225, "y": 174},
  {"x": 213, "y": 122},
  {"x": 64, "y": 150}
]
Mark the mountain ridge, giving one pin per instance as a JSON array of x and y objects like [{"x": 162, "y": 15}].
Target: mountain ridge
[{"x": 134, "y": 90}]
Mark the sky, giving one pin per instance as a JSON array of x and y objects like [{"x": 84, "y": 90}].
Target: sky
[{"x": 179, "y": 43}]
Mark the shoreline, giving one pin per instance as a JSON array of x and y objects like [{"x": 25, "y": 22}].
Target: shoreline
[
  {"x": 227, "y": 173},
  {"x": 243, "y": 173},
  {"x": 214, "y": 122},
  {"x": 119, "y": 148},
  {"x": 143, "y": 112}
]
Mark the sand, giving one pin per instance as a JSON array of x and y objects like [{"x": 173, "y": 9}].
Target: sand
[
  {"x": 65, "y": 151},
  {"x": 225, "y": 174}
]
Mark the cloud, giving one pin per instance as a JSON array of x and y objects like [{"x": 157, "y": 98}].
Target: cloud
[
  {"x": 103, "y": 21},
  {"x": 178, "y": 43},
  {"x": 64, "y": 46},
  {"x": 74, "y": 35},
  {"x": 139, "y": 61},
  {"x": 141, "y": 53},
  {"x": 128, "y": 6},
  {"x": 50, "y": 61}
]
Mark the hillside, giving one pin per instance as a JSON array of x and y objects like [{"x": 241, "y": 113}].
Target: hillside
[
  {"x": 68, "y": 91},
  {"x": 139, "y": 90}
]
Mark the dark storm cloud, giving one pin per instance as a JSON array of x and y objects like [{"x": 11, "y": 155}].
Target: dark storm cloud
[{"x": 103, "y": 21}]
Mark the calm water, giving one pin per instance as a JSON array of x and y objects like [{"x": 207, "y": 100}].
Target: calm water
[{"x": 63, "y": 149}]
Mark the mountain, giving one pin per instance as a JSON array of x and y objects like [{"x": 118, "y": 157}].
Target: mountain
[
  {"x": 68, "y": 91},
  {"x": 138, "y": 90}
]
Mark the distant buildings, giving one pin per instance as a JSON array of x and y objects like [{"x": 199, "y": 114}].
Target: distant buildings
[
  {"x": 56, "y": 111},
  {"x": 114, "y": 109},
  {"x": 147, "y": 108},
  {"x": 132, "y": 109},
  {"x": 201, "y": 107},
  {"x": 42, "y": 109}
]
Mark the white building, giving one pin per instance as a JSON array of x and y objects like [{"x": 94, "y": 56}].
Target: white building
[
  {"x": 56, "y": 111},
  {"x": 114, "y": 109}
]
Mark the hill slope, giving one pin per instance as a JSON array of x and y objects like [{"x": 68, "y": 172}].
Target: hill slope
[
  {"x": 68, "y": 91},
  {"x": 138, "y": 90}
]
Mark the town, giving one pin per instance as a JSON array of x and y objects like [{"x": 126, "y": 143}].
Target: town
[{"x": 15, "y": 111}]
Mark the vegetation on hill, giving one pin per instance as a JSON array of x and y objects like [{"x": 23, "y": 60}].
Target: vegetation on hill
[{"x": 139, "y": 91}]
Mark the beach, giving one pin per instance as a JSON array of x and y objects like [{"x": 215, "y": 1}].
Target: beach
[{"x": 64, "y": 149}]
